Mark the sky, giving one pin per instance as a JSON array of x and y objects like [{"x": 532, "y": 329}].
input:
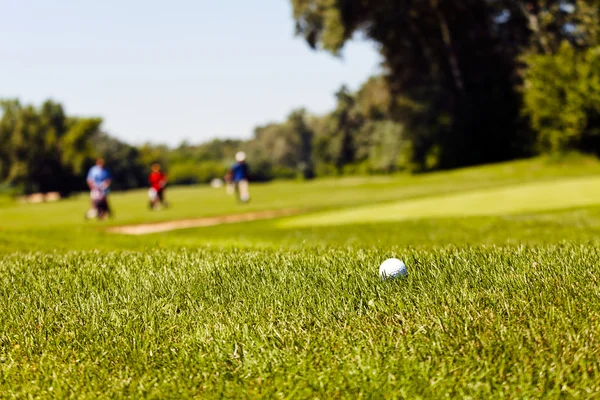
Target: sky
[{"x": 165, "y": 72}]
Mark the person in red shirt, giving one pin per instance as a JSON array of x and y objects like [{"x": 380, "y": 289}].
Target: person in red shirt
[{"x": 158, "y": 181}]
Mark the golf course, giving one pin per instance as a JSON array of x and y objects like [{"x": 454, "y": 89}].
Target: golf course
[{"x": 281, "y": 297}]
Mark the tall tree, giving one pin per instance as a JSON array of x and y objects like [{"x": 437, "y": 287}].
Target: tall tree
[
  {"x": 300, "y": 129},
  {"x": 9, "y": 110},
  {"x": 451, "y": 67},
  {"x": 122, "y": 160},
  {"x": 347, "y": 124}
]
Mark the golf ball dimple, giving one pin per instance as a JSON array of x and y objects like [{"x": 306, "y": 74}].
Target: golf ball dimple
[{"x": 392, "y": 268}]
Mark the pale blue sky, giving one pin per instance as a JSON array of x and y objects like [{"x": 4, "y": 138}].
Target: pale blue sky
[{"x": 167, "y": 71}]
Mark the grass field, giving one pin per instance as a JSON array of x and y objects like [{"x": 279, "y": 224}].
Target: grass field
[{"x": 502, "y": 299}]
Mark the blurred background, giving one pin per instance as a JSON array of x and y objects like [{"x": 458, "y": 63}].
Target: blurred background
[{"x": 307, "y": 88}]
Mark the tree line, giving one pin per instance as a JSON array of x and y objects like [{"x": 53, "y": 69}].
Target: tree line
[
  {"x": 465, "y": 82},
  {"x": 475, "y": 81}
]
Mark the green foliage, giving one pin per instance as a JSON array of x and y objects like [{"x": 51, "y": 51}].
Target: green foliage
[
  {"x": 76, "y": 146},
  {"x": 122, "y": 160},
  {"x": 185, "y": 173},
  {"x": 451, "y": 68},
  {"x": 562, "y": 98},
  {"x": 150, "y": 154},
  {"x": 386, "y": 146},
  {"x": 435, "y": 66},
  {"x": 43, "y": 150},
  {"x": 324, "y": 169},
  {"x": 449, "y": 95},
  {"x": 359, "y": 136},
  {"x": 287, "y": 146}
]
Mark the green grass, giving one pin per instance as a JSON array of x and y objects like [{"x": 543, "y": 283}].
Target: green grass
[
  {"x": 322, "y": 194},
  {"x": 502, "y": 299},
  {"x": 6, "y": 200},
  {"x": 472, "y": 321},
  {"x": 518, "y": 199}
]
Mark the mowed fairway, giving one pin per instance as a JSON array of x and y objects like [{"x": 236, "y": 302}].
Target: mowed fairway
[
  {"x": 502, "y": 299},
  {"x": 517, "y": 199}
]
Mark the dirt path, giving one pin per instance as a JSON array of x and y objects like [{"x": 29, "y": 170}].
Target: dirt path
[{"x": 144, "y": 229}]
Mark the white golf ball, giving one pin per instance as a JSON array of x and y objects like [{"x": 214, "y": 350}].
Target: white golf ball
[{"x": 392, "y": 268}]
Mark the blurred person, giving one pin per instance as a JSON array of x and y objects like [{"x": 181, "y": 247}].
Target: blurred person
[
  {"x": 237, "y": 178},
  {"x": 229, "y": 185},
  {"x": 99, "y": 180},
  {"x": 158, "y": 182}
]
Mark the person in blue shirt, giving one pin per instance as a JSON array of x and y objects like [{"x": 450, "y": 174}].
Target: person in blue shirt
[
  {"x": 238, "y": 177},
  {"x": 99, "y": 180}
]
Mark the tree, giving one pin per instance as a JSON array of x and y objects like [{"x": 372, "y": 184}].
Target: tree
[
  {"x": 304, "y": 139},
  {"x": 151, "y": 153},
  {"x": 562, "y": 98},
  {"x": 385, "y": 146},
  {"x": 450, "y": 67},
  {"x": 122, "y": 160},
  {"x": 286, "y": 146},
  {"x": 43, "y": 149},
  {"x": 323, "y": 128},
  {"x": 75, "y": 144},
  {"x": 9, "y": 112},
  {"x": 342, "y": 146},
  {"x": 373, "y": 99},
  {"x": 32, "y": 161}
]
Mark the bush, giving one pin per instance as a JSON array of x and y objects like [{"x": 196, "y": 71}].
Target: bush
[
  {"x": 325, "y": 169},
  {"x": 362, "y": 168},
  {"x": 8, "y": 191},
  {"x": 562, "y": 99},
  {"x": 191, "y": 172},
  {"x": 386, "y": 145},
  {"x": 282, "y": 172},
  {"x": 261, "y": 170}
]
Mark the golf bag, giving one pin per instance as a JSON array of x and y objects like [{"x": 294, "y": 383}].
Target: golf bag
[
  {"x": 156, "y": 198},
  {"x": 100, "y": 207}
]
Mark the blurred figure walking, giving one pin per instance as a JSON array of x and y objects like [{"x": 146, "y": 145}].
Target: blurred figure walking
[
  {"x": 237, "y": 178},
  {"x": 99, "y": 180},
  {"x": 158, "y": 182}
]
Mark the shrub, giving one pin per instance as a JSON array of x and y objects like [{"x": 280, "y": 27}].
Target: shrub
[{"x": 562, "y": 99}]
